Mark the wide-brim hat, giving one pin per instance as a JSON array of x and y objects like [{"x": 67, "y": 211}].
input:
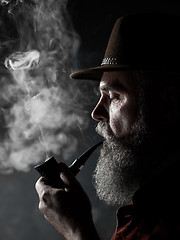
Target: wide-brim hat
[{"x": 148, "y": 40}]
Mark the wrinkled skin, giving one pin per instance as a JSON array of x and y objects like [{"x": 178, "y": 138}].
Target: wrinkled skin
[
  {"x": 118, "y": 102},
  {"x": 68, "y": 209}
]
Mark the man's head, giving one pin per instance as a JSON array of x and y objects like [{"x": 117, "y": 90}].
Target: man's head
[
  {"x": 140, "y": 126},
  {"x": 121, "y": 123},
  {"x": 138, "y": 111}
]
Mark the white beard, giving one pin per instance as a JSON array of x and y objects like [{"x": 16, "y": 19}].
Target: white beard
[{"x": 120, "y": 167}]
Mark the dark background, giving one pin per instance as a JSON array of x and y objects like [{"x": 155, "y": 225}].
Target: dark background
[{"x": 19, "y": 215}]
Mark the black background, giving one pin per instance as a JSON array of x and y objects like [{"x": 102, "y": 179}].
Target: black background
[{"x": 19, "y": 215}]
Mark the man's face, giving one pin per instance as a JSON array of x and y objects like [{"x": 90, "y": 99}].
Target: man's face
[
  {"x": 118, "y": 102},
  {"x": 121, "y": 122}
]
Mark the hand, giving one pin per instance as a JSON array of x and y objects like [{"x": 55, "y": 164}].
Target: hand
[{"x": 68, "y": 209}]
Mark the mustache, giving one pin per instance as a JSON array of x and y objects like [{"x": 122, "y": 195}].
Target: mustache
[{"x": 104, "y": 130}]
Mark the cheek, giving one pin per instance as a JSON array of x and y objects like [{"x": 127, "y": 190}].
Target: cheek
[{"x": 122, "y": 116}]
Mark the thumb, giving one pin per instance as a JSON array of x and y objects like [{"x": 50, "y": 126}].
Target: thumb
[{"x": 67, "y": 176}]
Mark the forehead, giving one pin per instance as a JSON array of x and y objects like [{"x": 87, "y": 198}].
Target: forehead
[{"x": 117, "y": 80}]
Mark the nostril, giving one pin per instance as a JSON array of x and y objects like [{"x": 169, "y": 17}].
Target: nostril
[{"x": 100, "y": 113}]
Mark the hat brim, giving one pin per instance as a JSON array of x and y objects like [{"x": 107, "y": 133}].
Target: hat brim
[{"x": 97, "y": 72}]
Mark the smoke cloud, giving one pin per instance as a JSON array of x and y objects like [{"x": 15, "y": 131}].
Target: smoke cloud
[{"x": 40, "y": 106}]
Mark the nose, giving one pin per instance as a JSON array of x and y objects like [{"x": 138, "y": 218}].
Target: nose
[{"x": 100, "y": 112}]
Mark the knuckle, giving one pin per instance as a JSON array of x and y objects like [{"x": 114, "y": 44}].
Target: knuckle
[
  {"x": 45, "y": 195},
  {"x": 37, "y": 185},
  {"x": 45, "y": 201},
  {"x": 43, "y": 207}
]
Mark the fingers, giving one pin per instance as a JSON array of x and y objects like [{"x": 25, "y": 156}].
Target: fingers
[
  {"x": 46, "y": 192},
  {"x": 47, "y": 196},
  {"x": 66, "y": 175},
  {"x": 65, "y": 208},
  {"x": 51, "y": 198},
  {"x": 40, "y": 186},
  {"x": 43, "y": 193}
]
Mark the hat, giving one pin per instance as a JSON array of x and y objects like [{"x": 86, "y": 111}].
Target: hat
[{"x": 148, "y": 40}]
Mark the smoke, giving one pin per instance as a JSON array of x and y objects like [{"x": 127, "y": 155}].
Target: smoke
[
  {"x": 41, "y": 107},
  {"x": 25, "y": 60}
]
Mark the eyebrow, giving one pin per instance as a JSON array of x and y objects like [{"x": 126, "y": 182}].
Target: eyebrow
[{"x": 112, "y": 86}]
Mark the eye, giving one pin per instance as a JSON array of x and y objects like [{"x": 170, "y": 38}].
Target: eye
[{"x": 113, "y": 96}]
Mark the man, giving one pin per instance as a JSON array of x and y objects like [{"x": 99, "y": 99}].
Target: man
[{"x": 138, "y": 114}]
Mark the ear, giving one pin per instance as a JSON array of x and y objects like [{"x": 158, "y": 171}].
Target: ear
[{"x": 169, "y": 106}]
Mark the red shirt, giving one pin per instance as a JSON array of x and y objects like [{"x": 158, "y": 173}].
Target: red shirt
[
  {"x": 131, "y": 229},
  {"x": 154, "y": 213}
]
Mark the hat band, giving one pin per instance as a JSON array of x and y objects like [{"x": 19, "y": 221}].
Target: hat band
[{"x": 106, "y": 61}]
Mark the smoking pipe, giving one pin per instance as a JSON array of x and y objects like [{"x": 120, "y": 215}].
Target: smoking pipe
[{"x": 51, "y": 169}]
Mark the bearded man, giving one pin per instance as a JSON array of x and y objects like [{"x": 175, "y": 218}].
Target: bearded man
[{"x": 138, "y": 114}]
